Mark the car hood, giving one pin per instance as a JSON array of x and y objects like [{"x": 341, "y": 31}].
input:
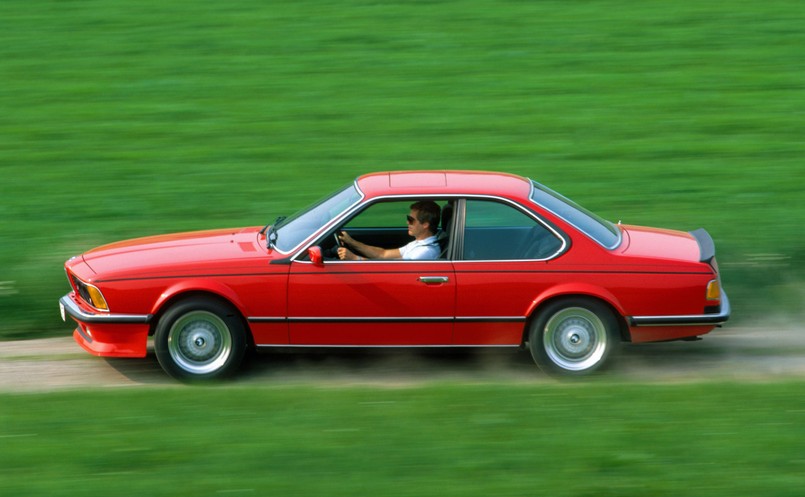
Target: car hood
[
  {"x": 658, "y": 243},
  {"x": 179, "y": 254}
]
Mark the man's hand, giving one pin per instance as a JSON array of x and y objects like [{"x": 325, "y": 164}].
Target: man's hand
[
  {"x": 346, "y": 239},
  {"x": 346, "y": 255},
  {"x": 366, "y": 251}
]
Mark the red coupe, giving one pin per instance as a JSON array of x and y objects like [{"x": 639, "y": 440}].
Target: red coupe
[{"x": 502, "y": 261}]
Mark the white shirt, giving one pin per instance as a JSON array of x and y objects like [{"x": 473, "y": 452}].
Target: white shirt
[{"x": 421, "y": 249}]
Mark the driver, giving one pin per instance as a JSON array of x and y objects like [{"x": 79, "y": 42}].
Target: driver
[{"x": 423, "y": 222}]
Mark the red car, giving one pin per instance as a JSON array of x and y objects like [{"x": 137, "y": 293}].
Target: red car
[{"x": 510, "y": 263}]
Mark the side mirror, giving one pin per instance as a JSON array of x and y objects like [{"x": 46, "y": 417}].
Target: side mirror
[{"x": 315, "y": 256}]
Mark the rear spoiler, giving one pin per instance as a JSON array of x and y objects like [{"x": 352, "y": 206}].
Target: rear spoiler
[{"x": 707, "y": 247}]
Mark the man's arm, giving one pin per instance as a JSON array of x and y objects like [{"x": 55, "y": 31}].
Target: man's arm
[{"x": 367, "y": 251}]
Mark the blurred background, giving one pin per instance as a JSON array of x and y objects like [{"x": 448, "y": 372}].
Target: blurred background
[{"x": 126, "y": 119}]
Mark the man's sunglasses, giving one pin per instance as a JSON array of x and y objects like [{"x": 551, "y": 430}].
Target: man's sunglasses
[{"x": 410, "y": 219}]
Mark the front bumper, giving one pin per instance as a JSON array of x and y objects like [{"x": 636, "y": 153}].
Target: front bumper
[
  {"x": 107, "y": 334},
  {"x": 68, "y": 305}
]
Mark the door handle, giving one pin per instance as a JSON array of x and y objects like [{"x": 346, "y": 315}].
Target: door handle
[{"x": 429, "y": 280}]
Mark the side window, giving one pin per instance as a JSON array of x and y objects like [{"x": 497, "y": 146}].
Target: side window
[
  {"x": 381, "y": 215},
  {"x": 497, "y": 231},
  {"x": 385, "y": 224}
]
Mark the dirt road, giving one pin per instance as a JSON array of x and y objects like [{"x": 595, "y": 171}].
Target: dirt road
[{"x": 738, "y": 354}]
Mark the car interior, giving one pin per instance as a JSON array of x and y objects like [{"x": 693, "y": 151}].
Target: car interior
[{"x": 492, "y": 231}]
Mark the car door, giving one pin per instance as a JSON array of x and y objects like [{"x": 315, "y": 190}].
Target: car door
[
  {"x": 501, "y": 263},
  {"x": 371, "y": 302}
]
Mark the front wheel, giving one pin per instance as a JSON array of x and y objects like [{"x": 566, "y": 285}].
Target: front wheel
[
  {"x": 200, "y": 339},
  {"x": 573, "y": 337}
]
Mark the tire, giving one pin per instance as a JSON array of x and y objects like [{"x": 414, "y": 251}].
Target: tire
[
  {"x": 200, "y": 339},
  {"x": 573, "y": 337}
]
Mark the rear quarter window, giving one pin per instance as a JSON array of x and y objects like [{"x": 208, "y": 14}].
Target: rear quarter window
[
  {"x": 595, "y": 227},
  {"x": 496, "y": 231}
]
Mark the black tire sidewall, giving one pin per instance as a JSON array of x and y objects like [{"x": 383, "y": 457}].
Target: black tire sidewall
[
  {"x": 225, "y": 312},
  {"x": 537, "y": 331}
]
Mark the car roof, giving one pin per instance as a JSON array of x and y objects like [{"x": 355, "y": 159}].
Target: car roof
[{"x": 443, "y": 182}]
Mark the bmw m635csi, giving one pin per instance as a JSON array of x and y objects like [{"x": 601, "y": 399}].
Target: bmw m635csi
[{"x": 512, "y": 264}]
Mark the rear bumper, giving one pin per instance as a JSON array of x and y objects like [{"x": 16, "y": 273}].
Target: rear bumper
[{"x": 689, "y": 320}]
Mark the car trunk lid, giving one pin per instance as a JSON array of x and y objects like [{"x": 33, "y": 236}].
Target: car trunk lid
[{"x": 666, "y": 244}]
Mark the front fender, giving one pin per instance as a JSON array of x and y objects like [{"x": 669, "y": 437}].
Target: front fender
[{"x": 198, "y": 285}]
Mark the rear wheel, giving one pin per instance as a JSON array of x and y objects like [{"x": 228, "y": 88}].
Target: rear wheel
[
  {"x": 573, "y": 336},
  {"x": 200, "y": 339}
]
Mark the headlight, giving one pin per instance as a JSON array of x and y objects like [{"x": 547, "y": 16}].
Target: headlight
[{"x": 90, "y": 294}]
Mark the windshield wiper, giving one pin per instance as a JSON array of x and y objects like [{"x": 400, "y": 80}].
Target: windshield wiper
[{"x": 271, "y": 235}]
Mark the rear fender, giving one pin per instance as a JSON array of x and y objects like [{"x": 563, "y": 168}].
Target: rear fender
[{"x": 578, "y": 290}]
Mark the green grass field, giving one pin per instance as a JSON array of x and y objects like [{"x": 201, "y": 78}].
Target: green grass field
[
  {"x": 124, "y": 119},
  {"x": 593, "y": 439}
]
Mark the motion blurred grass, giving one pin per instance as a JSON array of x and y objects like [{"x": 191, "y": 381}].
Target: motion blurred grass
[
  {"x": 586, "y": 439},
  {"x": 123, "y": 119}
]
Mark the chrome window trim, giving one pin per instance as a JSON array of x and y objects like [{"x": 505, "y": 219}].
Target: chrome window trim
[
  {"x": 384, "y": 261},
  {"x": 618, "y": 242},
  {"x": 461, "y": 197}
]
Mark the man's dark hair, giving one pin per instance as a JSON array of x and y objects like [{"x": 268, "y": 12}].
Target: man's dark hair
[{"x": 427, "y": 211}]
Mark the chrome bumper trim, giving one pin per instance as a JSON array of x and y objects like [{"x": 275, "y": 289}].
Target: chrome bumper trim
[
  {"x": 70, "y": 307},
  {"x": 691, "y": 320}
]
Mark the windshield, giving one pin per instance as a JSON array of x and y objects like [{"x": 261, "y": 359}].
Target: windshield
[
  {"x": 297, "y": 228},
  {"x": 600, "y": 230}
]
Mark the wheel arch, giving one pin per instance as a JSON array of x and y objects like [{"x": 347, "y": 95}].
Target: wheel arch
[
  {"x": 189, "y": 291},
  {"x": 569, "y": 292}
]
